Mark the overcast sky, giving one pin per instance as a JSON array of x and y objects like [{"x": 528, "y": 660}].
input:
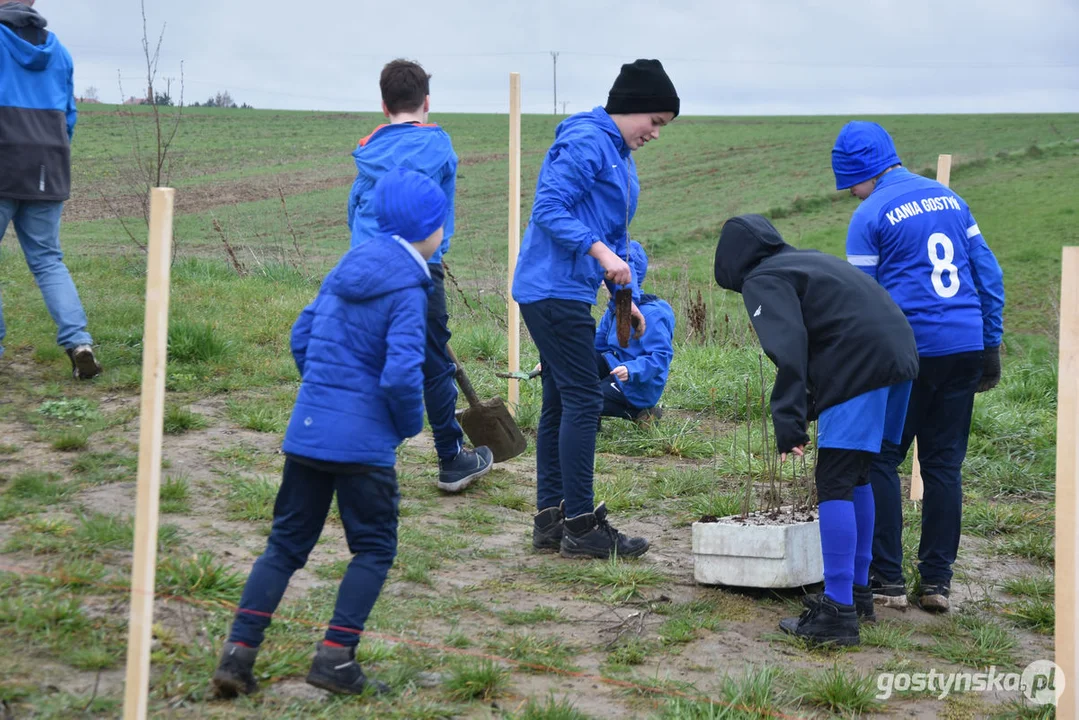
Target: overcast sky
[{"x": 725, "y": 56}]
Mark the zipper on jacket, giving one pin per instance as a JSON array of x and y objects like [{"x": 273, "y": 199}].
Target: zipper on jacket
[{"x": 41, "y": 181}]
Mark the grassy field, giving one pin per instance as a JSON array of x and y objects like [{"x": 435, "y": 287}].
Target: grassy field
[{"x": 472, "y": 623}]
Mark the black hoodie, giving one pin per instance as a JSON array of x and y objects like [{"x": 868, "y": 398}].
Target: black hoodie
[{"x": 831, "y": 330}]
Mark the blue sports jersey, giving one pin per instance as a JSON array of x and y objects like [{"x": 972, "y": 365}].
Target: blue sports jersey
[{"x": 920, "y": 241}]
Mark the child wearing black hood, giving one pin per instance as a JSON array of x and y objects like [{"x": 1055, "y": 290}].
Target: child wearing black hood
[{"x": 845, "y": 355}]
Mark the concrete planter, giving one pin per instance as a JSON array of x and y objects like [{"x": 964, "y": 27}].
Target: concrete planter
[{"x": 728, "y": 552}]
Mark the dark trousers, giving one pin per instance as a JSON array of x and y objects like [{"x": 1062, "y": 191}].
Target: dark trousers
[
  {"x": 439, "y": 387},
  {"x": 564, "y": 332},
  {"x": 939, "y": 413},
  {"x": 615, "y": 403},
  {"x": 367, "y": 499}
]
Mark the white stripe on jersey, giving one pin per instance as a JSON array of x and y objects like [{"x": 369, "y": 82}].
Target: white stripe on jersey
[
  {"x": 863, "y": 260},
  {"x": 973, "y": 231}
]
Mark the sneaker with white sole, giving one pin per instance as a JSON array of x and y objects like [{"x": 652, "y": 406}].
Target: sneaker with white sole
[{"x": 457, "y": 474}]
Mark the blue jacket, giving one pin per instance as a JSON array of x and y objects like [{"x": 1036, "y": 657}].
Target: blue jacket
[
  {"x": 921, "y": 242},
  {"x": 423, "y": 148},
  {"x": 37, "y": 108},
  {"x": 647, "y": 359},
  {"x": 359, "y": 348},
  {"x": 586, "y": 193}
]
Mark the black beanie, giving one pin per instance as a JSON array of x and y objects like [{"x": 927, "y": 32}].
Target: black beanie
[{"x": 642, "y": 87}]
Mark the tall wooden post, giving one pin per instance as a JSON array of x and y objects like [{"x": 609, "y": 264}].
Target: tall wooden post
[
  {"x": 514, "y": 394},
  {"x": 1067, "y": 478},
  {"x": 151, "y": 426}
]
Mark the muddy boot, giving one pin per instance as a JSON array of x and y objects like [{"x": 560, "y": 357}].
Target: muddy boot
[
  {"x": 863, "y": 603},
  {"x": 934, "y": 598},
  {"x": 889, "y": 595},
  {"x": 590, "y": 535},
  {"x": 335, "y": 669},
  {"x": 234, "y": 674},
  {"x": 824, "y": 622},
  {"x": 83, "y": 363},
  {"x": 547, "y": 528}
]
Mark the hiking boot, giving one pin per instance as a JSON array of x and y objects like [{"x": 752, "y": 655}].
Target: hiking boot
[
  {"x": 234, "y": 675},
  {"x": 889, "y": 595},
  {"x": 863, "y": 604},
  {"x": 934, "y": 598},
  {"x": 824, "y": 621},
  {"x": 83, "y": 363},
  {"x": 457, "y": 474},
  {"x": 648, "y": 417},
  {"x": 590, "y": 535},
  {"x": 547, "y": 527},
  {"x": 335, "y": 669}
]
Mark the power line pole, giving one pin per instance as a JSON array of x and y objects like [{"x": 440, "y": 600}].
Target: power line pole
[
  {"x": 554, "y": 67},
  {"x": 564, "y": 104}
]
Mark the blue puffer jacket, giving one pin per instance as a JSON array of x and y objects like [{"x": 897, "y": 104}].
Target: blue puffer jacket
[
  {"x": 423, "y": 148},
  {"x": 648, "y": 359},
  {"x": 37, "y": 108},
  {"x": 586, "y": 192},
  {"x": 359, "y": 348}
]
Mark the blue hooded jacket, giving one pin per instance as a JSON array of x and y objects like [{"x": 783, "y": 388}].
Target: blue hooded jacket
[
  {"x": 424, "y": 148},
  {"x": 586, "y": 193},
  {"x": 360, "y": 348},
  {"x": 37, "y": 108},
  {"x": 648, "y": 359}
]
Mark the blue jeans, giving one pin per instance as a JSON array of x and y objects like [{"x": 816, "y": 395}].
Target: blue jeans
[
  {"x": 439, "y": 387},
  {"x": 37, "y": 225},
  {"x": 367, "y": 498},
  {"x": 564, "y": 331},
  {"x": 939, "y": 413}
]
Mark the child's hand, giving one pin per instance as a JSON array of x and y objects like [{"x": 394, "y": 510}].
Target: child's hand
[
  {"x": 538, "y": 368},
  {"x": 621, "y": 373},
  {"x": 799, "y": 450},
  {"x": 637, "y": 320}
]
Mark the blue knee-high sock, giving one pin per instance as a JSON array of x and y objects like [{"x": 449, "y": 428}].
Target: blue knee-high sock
[
  {"x": 865, "y": 514},
  {"x": 838, "y": 536}
]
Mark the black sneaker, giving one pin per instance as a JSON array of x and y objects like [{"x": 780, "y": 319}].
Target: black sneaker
[
  {"x": 590, "y": 535},
  {"x": 335, "y": 669},
  {"x": 547, "y": 527},
  {"x": 891, "y": 595},
  {"x": 824, "y": 621},
  {"x": 83, "y": 363},
  {"x": 934, "y": 598},
  {"x": 234, "y": 675},
  {"x": 457, "y": 474},
  {"x": 863, "y": 604}
]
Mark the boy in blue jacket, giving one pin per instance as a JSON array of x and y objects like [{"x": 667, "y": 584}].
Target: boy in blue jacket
[
  {"x": 409, "y": 141},
  {"x": 577, "y": 237},
  {"x": 37, "y": 122},
  {"x": 920, "y": 241},
  {"x": 633, "y": 378},
  {"x": 359, "y": 348}
]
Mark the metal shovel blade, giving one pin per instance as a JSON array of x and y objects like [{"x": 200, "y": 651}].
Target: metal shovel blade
[{"x": 490, "y": 423}]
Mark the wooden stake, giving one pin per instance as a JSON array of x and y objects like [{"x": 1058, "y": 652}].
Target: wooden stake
[
  {"x": 1067, "y": 477},
  {"x": 151, "y": 422},
  {"x": 514, "y": 239},
  {"x": 917, "y": 489}
]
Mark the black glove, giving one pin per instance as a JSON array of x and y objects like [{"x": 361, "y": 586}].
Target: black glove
[{"x": 990, "y": 369}]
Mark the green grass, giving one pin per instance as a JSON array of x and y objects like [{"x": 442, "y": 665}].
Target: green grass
[{"x": 229, "y": 344}]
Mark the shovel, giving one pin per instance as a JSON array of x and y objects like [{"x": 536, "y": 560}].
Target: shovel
[{"x": 488, "y": 423}]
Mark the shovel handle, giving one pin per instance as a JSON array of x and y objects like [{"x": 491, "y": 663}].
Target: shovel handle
[{"x": 462, "y": 379}]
